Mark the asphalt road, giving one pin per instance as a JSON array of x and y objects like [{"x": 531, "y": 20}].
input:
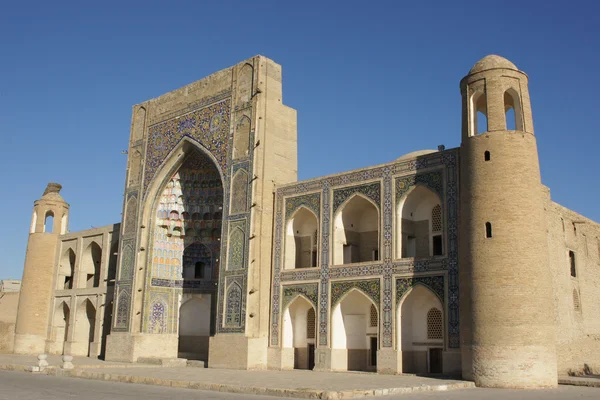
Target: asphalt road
[{"x": 26, "y": 386}]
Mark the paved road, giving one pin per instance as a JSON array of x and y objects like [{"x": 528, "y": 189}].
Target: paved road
[{"x": 26, "y": 386}]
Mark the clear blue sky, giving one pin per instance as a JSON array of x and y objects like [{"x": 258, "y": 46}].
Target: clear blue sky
[{"x": 375, "y": 79}]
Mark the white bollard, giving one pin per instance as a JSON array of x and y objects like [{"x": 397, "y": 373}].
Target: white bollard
[
  {"x": 67, "y": 362},
  {"x": 42, "y": 363}
]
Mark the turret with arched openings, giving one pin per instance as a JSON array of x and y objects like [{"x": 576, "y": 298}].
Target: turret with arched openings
[
  {"x": 49, "y": 221},
  {"x": 507, "y": 334}
]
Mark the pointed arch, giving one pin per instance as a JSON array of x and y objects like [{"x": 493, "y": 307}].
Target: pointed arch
[
  {"x": 419, "y": 224},
  {"x": 479, "y": 113},
  {"x": 356, "y": 231},
  {"x": 295, "y": 332},
  {"x": 301, "y": 239},
  {"x": 419, "y": 327},
  {"x": 66, "y": 270},
  {"x": 60, "y": 327},
  {"x": 351, "y": 330},
  {"x": 90, "y": 266},
  {"x": 123, "y": 300},
  {"x": 513, "y": 111},
  {"x": 85, "y": 326},
  {"x": 49, "y": 222},
  {"x": 245, "y": 79},
  {"x": 239, "y": 192}
]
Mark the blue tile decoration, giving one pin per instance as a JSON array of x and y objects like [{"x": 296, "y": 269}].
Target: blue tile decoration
[
  {"x": 233, "y": 314},
  {"x": 158, "y": 317},
  {"x": 123, "y": 299},
  {"x": 311, "y": 201},
  {"x": 308, "y": 290},
  {"x": 433, "y": 283},
  {"x": 237, "y": 245},
  {"x": 370, "y": 190},
  {"x": 439, "y": 172},
  {"x": 371, "y": 287},
  {"x": 208, "y": 125},
  {"x": 130, "y": 216},
  {"x": 128, "y": 258}
]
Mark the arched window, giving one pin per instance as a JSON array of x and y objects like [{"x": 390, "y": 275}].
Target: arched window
[
  {"x": 488, "y": 229},
  {"x": 479, "y": 123},
  {"x": 49, "y": 222},
  {"x": 486, "y": 156},
  {"x": 300, "y": 240},
  {"x": 572, "y": 264},
  {"x": 576, "y": 302},
  {"x": 356, "y": 232},
  {"x": 373, "y": 319},
  {"x": 419, "y": 224},
  {"x": 512, "y": 109},
  {"x": 310, "y": 324},
  {"x": 434, "y": 324}
]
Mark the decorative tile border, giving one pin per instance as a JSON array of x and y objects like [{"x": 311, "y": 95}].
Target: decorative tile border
[
  {"x": 433, "y": 283},
  {"x": 371, "y": 287},
  {"x": 308, "y": 290},
  {"x": 371, "y": 191},
  {"x": 311, "y": 201}
]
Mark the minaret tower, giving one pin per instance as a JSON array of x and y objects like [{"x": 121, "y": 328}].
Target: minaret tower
[
  {"x": 507, "y": 320},
  {"x": 49, "y": 221}
]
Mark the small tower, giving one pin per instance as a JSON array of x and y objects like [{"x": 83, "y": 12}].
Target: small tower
[
  {"x": 49, "y": 221},
  {"x": 507, "y": 320}
]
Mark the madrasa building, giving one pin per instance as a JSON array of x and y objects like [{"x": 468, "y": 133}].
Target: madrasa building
[{"x": 452, "y": 261}]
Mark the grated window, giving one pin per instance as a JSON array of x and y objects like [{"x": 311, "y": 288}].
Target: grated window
[
  {"x": 373, "y": 319},
  {"x": 310, "y": 324},
  {"x": 576, "y": 303},
  {"x": 434, "y": 324},
  {"x": 436, "y": 219}
]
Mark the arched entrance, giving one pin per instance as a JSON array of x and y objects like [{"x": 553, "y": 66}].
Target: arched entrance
[
  {"x": 355, "y": 330},
  {"x": 85, "y": 327},
  {"x": 60, "y": 328},
  {"x": 421, "y": 331},
  {"x": 186, "y": 247},
  {"x": 301, "y": 240},
  {"x": 299, "y": 332}
]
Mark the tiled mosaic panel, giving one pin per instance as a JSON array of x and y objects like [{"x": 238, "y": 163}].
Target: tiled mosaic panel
[
  {"x": 371, "y": 190},
  {"x": 371, "y": 288},
  {"x": 123, "y": 300},
  {"x": 158, "y": 314},
  {"x": 433, "y": 283},
  {"x": 237, "y": 245},
  {"x": 308, "y": 290},
  {"x": 233, "y": 306},
  {"x": 239, "y": 192},
  {"x": 130, "y": 216},
  {"x": 408, "y": 169},
  {"x": 188, "y": 218},
  {"x": 209, "y": 126},
  {"x": 127, "y": 260},
  {"x": 311, "y": 201}
]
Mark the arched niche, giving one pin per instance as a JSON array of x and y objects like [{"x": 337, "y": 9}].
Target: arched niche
[
  {"x": 351, "y": 331},
  {"x": 512, "y": 109},
  {"x": 301, "y": 237},
  {"x": 49, "y": 222},
  {"x": 85, "y": 327},
  {"x": 421, "y": 351},
  {"x": 239, "y": 192},
  {"x": 138, "y": 124},
  {"x": 356, "y": 232},
  {"x": 296, "y": 333},
  {"x": 419, "y": 224},
  {"x": 66, "y": 270},
  {"x": 90, "y": 266},
  {"x": 479, "y": 113},
  {"x": 60, "y": 328},
  {"x": 241, "y": 139},
  {"x": 194, "y": 326},
  {"x": 197, "y": 262}
]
